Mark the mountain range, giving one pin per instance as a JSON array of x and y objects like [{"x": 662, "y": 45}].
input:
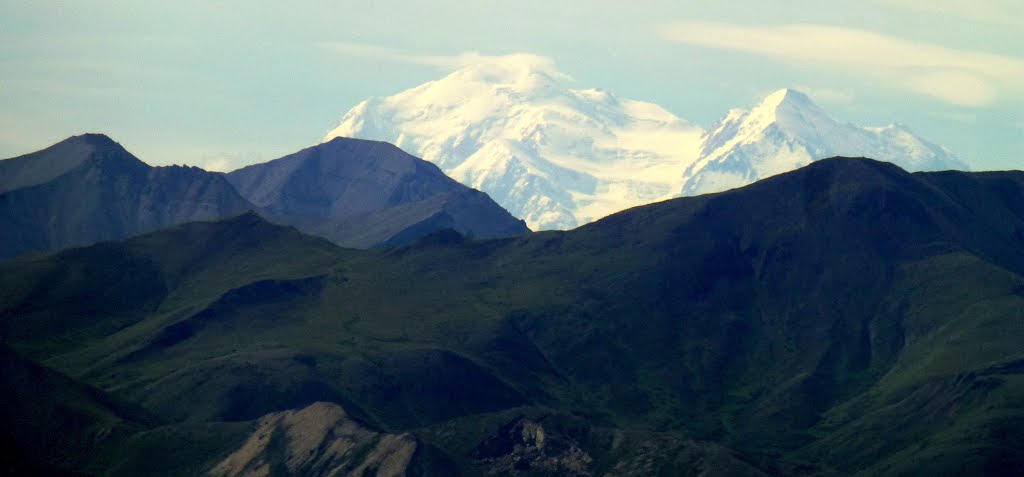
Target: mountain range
[
  {"x": 357, "y": 193},
  {"x": 560, "y": 157},
  {"x": 845, "y": 318}
]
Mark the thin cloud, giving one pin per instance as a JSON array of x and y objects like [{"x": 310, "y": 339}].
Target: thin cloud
[
  {"x": 219, "y": 164},
  {"x": 384, "y": 53},
  {"x": 226, "y": 162},
  {"x": 444, "y": 62},
  {"x": 960, "y": 77},
  {"x": 997, "y": 12},
  {"x": 958, "y": 117}
]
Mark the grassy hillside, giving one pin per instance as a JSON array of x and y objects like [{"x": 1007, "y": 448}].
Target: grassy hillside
[{"x": 844, "y": 319}]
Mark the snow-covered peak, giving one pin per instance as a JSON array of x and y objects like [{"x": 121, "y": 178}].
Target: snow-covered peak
[
  {"x": 483, "y": 82},
  {"x": 597, "y": 95},
  {"x": 787, "y": 130},
  {"x": 513, "y": 127},
  {"x": 789, "y": 109},
  {"x": 558, "y": 155},
  {"x": 786, "y": 97},
  {"x": 523, "y": 72}
]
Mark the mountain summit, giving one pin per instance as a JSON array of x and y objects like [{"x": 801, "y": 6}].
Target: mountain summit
[
  {"x": 559, "y": 157},
  {"x": 361, "y": 193},
  {"x": 88, "y": 188},
  {"x": 787, "y": 131},
  {"x": 48, "y": 164},
  {"x": 550, "y": 154}
]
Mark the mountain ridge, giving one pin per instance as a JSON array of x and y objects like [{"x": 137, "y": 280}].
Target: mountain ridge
[
  {"x": 787, "y": 131},
  {"x": 368, "y": 193},
  {"x": 49, "y": 163},
  {"x": 846, "y": 318},
  {"x": 88, "y": 188}
]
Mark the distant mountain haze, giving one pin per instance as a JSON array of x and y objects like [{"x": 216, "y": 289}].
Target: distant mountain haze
[
  {"x": 560, "y": 157},
  {"x": 87, "y": 189},
  {"x": 358, "y": 193},
  {"x": 362, "y": 193}
]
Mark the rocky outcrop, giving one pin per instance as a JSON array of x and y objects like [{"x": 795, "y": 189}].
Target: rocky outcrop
[
  {"x": 524, "y": 445},
  {"x": 561, "y": 445},
  {"x": 319, "y": 440}
]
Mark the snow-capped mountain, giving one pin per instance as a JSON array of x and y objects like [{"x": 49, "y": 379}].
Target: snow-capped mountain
[
  {"x": 559, "y": 157},
  {"x": 787, "y": 131},
  {"x": 512, "y": 127}
]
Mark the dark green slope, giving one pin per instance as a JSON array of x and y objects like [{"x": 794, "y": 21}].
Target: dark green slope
[
  {"x": 71, "y": 298},
  {"x": 847, "y": 317},
  {"x": 53, "y": 425}
]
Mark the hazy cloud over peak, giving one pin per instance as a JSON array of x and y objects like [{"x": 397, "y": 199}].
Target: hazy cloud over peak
[
  {"x": 188, "y": 80},
  {"x": 959, "y": 77},
  {"x": 524, "y": 61}
]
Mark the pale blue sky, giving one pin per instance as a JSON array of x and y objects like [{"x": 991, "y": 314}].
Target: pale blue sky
[{"x": 200, "y": 82}]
